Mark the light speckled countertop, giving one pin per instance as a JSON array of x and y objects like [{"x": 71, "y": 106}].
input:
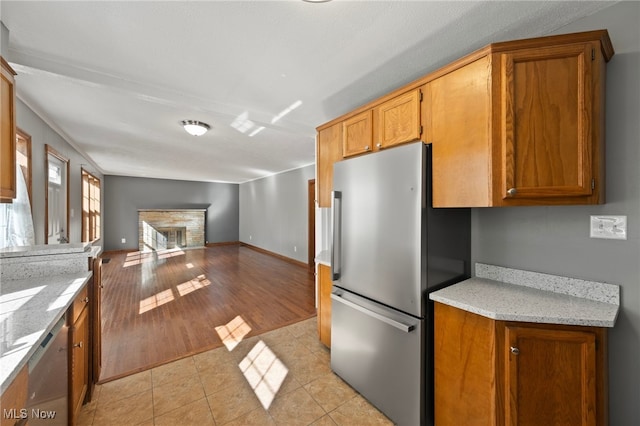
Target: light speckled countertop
[
  {"x": 28, "y": 311},
  {"x": 514, "y": 295},
  {"x": 37, "y": 285},
  {"x": 324, "y": 258},
  {"x": 44, "y": 249}
]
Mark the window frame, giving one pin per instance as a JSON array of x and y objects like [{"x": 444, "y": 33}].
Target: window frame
[{"x": 91, "y": 206}]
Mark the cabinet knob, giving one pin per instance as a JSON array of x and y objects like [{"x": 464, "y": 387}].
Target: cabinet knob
[
  {"x": 78, "y": 345},
  {"x": 86, "y": 299},
  {"x": 514, "y": 351},
  {"x": 367, "y": 148},
  {"x": 512, "y": 191},
  {"x": 379, "y": 145}
]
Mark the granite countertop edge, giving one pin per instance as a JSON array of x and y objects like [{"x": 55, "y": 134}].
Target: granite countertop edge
[
  {"x": 509, "y": 301},
  {"x": 64, "y": 288}
]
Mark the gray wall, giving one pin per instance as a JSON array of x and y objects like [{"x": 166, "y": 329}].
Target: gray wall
[
  {"x": 41, "y": 133},
  {"x": 274, "y": 213},
  {"x": 123, "y": 196},
  {"x": 556, "y": 240}
]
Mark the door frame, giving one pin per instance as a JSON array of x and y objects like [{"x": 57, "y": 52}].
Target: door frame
[
  {"x": 49, "y": 150},
  {"x": 311, "y": 249}
]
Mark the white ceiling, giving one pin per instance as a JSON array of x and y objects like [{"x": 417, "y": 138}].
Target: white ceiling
[{"x": 116, "y": 78}]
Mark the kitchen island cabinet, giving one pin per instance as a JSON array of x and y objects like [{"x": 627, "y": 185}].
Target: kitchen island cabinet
[{"x": 517, "y": 354}]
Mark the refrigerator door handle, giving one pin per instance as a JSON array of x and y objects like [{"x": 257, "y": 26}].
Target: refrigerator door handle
[
  {"x": 407, "y": 328},
  {"x": 336, "y": 234}
]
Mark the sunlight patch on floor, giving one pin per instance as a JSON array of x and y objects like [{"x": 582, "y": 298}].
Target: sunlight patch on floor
[
  {"x": 233, "y": 332},
  {"x": 265, "y": 373}
]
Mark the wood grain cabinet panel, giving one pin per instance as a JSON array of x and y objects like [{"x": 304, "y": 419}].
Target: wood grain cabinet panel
[
  {"x": 79, "y": 347},
  {"x": 512, "y": 124},
  {"x": 522, "y": 124},
  {"x": 491, "y": 372},
  {"x": 14, "y": 398},
  {"x": 328, "y": 151},
  {"x": 547, "y": 122},
  {"x": 551, "y": 376},
  {"x": 325, "y": 285},
  {"x": 357, "y": 134},
  {"x": 8, "y": 133},
  {"x": 399, "y": 120}
]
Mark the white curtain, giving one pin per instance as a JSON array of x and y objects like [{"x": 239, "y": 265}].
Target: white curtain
[{"x": 16, "y": 220}]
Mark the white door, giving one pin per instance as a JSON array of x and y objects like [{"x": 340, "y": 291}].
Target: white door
[{"x": 57, "y": 201}]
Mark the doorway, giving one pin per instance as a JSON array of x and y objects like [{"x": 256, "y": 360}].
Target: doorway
[{"x": 56, "y": 198}]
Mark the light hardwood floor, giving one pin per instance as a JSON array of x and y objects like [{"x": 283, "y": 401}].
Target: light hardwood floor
[{"x": 160, "y": 307}]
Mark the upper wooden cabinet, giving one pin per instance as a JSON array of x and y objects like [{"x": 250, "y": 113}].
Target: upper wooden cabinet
[
  {"x": 522, "y": 124},
  {"x": 390, "y": 123},
  {"x": 357, "y": 134},
  {"x": 515, "y": 123},
  {"x": 399, "y": 120},
  {"x": 328, "y": 151},
  {"x": 8, "y": 135}
]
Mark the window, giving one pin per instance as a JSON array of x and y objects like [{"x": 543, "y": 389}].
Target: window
[
  {"x": 16, "y": 223},
  {"x": 91, "y": 225}
]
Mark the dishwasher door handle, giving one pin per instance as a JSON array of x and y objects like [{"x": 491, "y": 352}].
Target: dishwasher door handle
[{"x": 407, "y": 328}]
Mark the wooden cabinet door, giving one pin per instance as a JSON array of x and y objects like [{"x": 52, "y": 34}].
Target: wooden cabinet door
[
  {"x": 329, "y": 150},
  {"x": 357, "y": 134},
  {"x": 8, "y": 133},
  {"x": 547, "y": 122},
  {"x": 551, "y": 377},
  {"x": 324, "y": 304},
  {"x": 79, "y": 364},
  {"x": 399, "y": 120},
  {"x": 95, "y": 326}
]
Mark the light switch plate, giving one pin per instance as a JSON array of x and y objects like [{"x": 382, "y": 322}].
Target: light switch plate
[{"x": 609, "y": 227}]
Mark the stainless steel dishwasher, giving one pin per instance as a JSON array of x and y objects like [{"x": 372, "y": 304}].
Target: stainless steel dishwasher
[{"x": 47, "y": 402}]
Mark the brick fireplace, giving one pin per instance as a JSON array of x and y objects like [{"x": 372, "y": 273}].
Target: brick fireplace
[{"x": 161, "y": 229}]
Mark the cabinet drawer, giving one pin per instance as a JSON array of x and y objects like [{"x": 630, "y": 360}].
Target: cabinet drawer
[{"x": 82, "y": 300}]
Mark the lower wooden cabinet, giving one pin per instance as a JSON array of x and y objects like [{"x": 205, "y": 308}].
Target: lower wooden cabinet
[
  {"x": 79, "y": 347},
  {"x": 324, "y": 304},
  {"x": 491, "y": 372},
  {"x": 14, "y": 399}
]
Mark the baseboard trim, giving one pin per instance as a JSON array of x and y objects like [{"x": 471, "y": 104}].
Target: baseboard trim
[
  {"x": 225, "y": 243},
  {"x": 279, "y": 256}
]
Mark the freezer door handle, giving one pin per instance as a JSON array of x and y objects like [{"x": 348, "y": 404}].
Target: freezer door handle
[
  {"x": 407, "y": 328},
  {"x": 336, "y": 234}
]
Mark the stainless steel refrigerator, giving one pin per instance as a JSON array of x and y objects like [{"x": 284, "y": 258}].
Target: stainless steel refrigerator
[{"x": 389, "y": 250}]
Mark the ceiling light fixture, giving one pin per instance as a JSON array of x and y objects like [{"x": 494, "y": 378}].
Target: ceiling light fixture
[{"x": 195, "y": 127}]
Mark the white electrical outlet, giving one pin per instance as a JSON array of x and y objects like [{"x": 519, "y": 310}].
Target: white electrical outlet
[
  {"x": 609, "y": 227},
  {"x": 124, "y": 241},
  {"x": 295, "y": 248}
]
